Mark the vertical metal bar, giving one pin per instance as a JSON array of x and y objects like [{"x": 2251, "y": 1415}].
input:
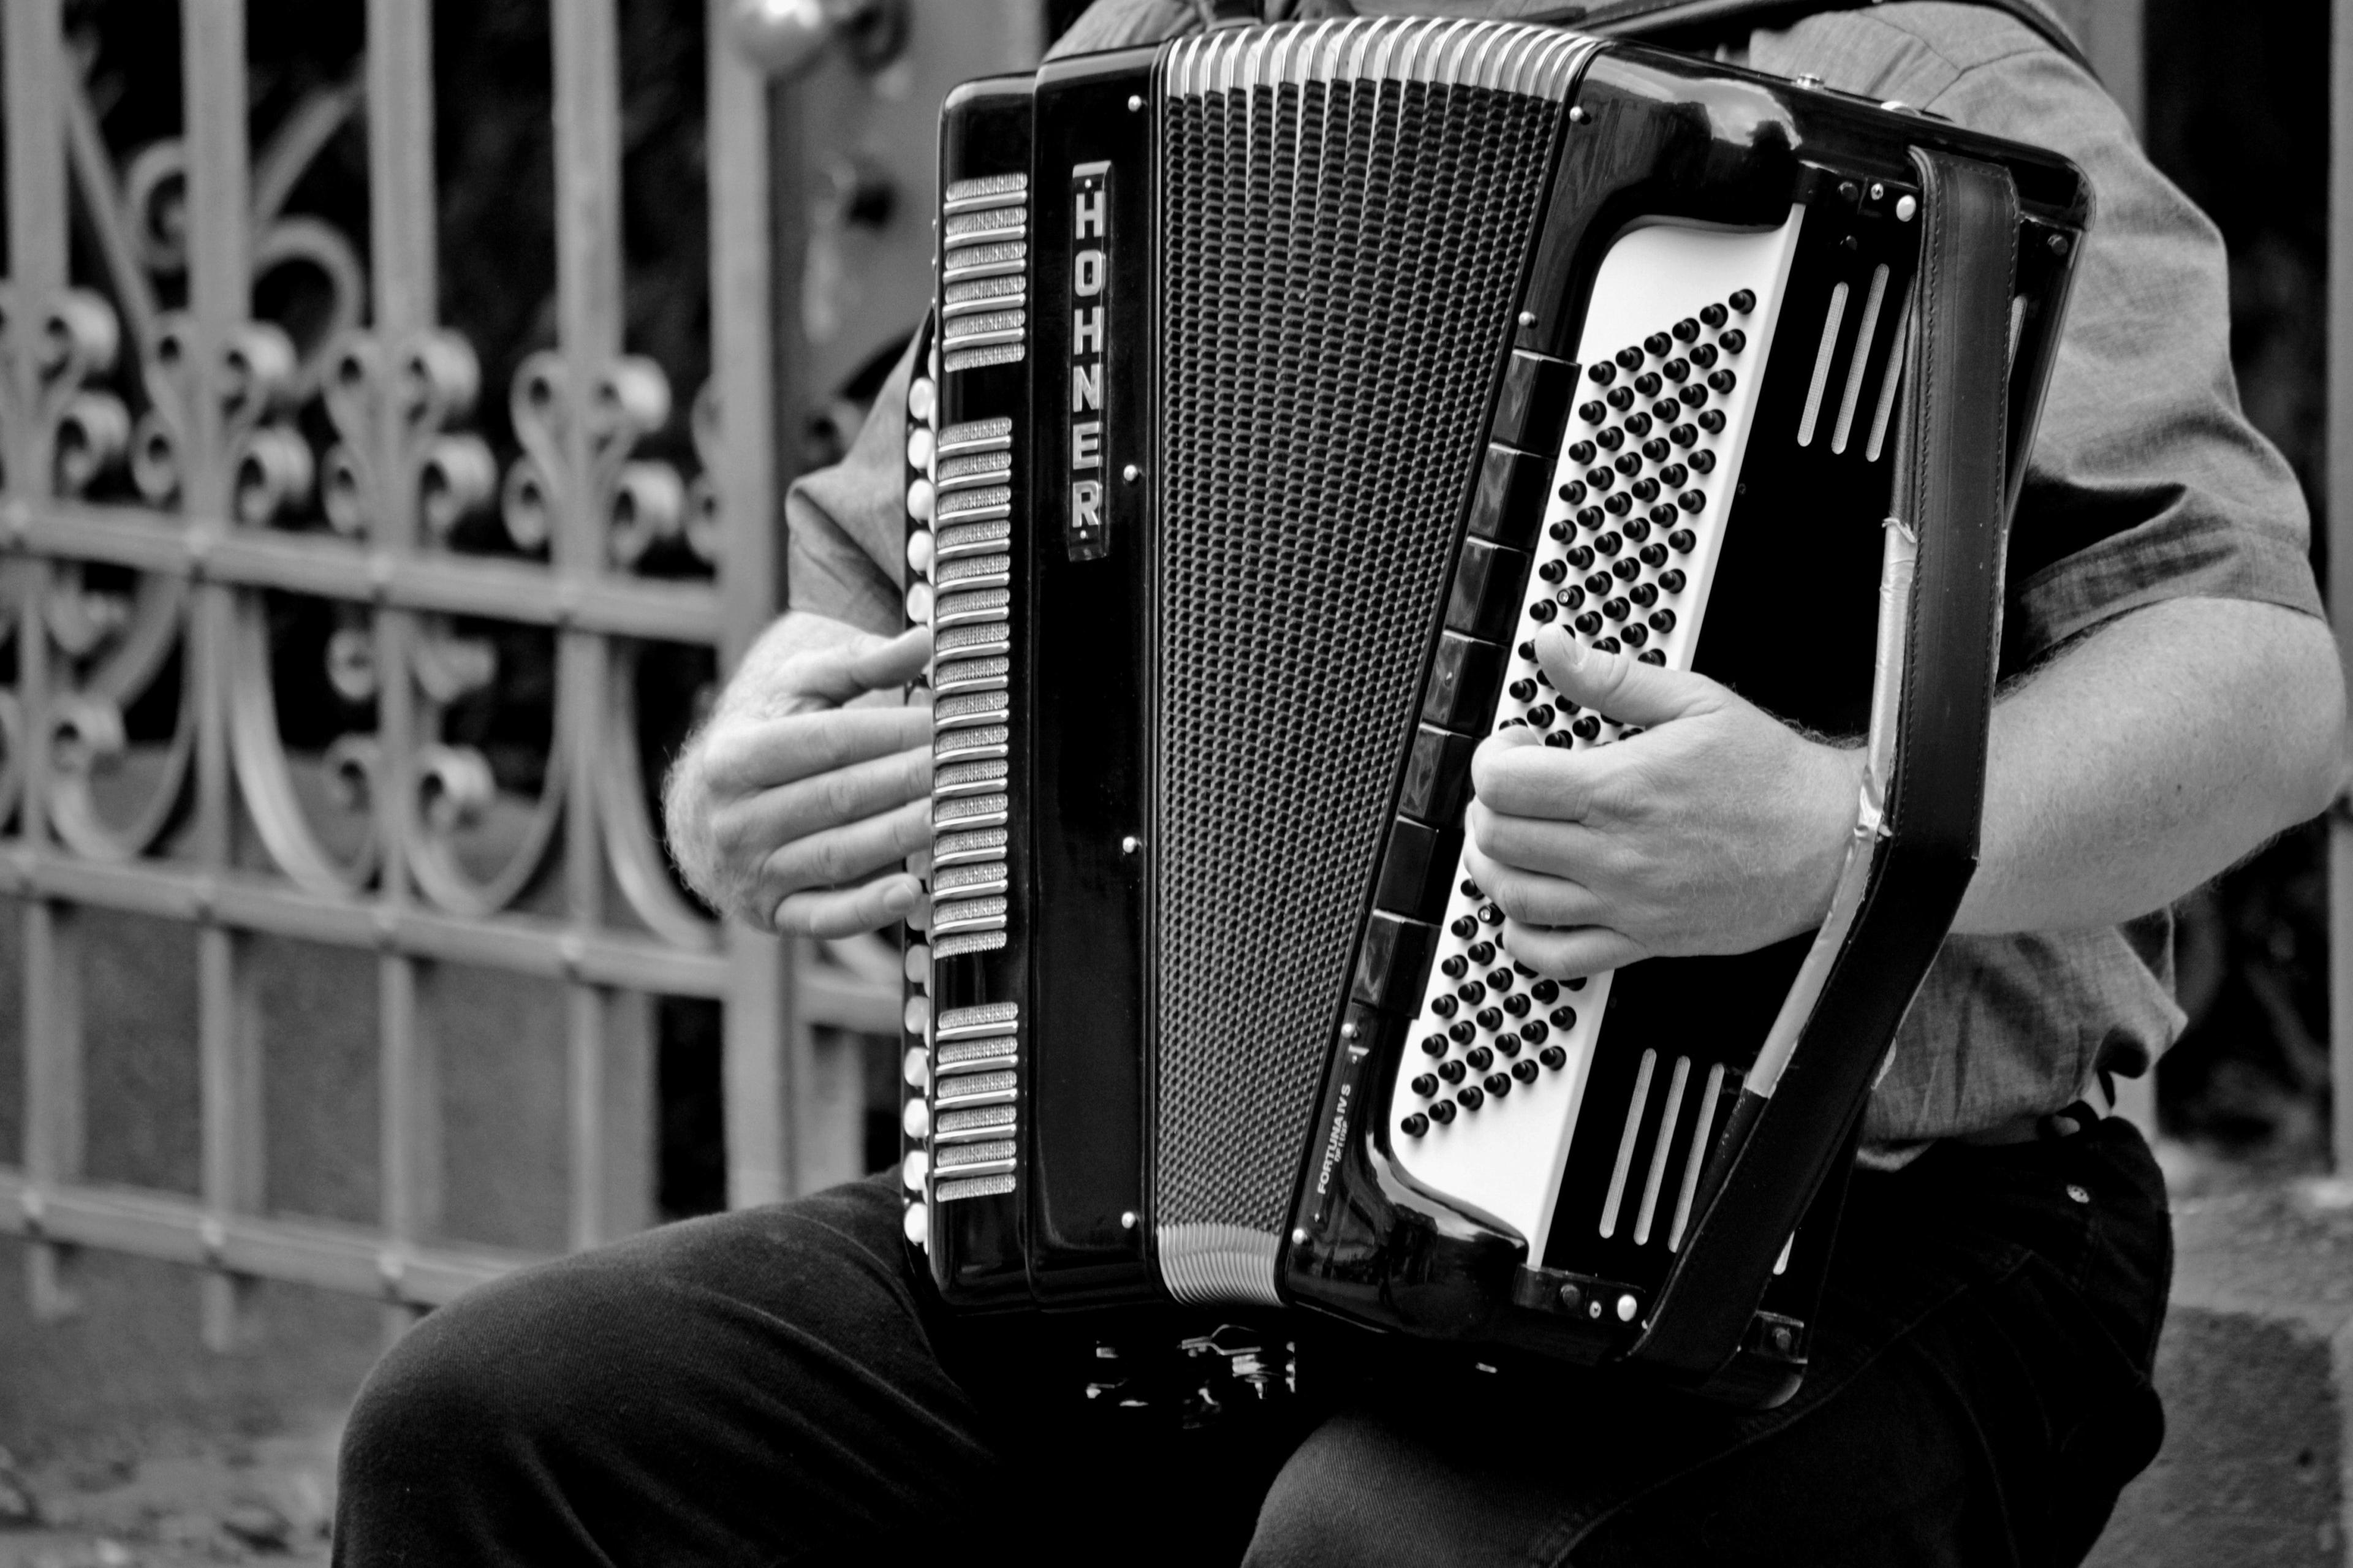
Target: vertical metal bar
[
  {"x": 219, "y": 284},
  {"x": 2340, "y": 555},
  {"x": 588, "y": 319},
  {"x": 402, "y": 235},
  {"x": 34, "y": 67},
  {"x": 756, "y": 1076}
]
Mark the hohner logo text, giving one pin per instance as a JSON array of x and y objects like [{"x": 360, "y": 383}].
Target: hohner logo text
[{"x": 1086, "y": 533}]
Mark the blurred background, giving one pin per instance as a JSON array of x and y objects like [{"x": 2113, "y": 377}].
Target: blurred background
[{"x": 385, "y": 515}]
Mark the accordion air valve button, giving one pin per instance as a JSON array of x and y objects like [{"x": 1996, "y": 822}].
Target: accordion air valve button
[{"x": 1627, "y": 1306}]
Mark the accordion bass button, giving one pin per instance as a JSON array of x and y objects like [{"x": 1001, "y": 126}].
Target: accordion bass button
[{"x": 917, "y": 1224}]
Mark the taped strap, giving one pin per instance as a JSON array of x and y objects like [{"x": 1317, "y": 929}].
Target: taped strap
[{"x": 1781, "y": 1144}]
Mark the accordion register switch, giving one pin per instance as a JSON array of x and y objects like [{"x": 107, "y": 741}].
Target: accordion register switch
[{"x": 1281, "y": 383}]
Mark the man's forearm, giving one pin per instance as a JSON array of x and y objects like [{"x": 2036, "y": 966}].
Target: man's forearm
[{"x": 2150, "y": 756}]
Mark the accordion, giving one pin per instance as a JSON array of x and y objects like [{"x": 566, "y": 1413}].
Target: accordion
[{"x": 1281, "y": 381}]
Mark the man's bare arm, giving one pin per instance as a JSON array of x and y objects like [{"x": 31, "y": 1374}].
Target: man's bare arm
[
  {"x": 2151, "y": 756},
  {"x": 2138, "y": 762}
]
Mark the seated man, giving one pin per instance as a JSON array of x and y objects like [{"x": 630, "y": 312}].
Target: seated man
[{"x": 781, "y": 1385}]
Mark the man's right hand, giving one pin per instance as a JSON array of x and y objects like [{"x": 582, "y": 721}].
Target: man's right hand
[{"x": 786, "y": 806}]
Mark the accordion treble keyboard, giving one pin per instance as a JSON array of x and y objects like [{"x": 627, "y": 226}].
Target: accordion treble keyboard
[{"x": 1283, "y": 383}]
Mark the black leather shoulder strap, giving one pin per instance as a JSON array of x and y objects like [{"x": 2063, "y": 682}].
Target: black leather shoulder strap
[
  {"x": 1643, "y": 18},
  {"x": 1951, "y": 491}
]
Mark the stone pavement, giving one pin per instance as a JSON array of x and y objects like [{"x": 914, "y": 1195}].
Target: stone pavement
[{"x": 2256, "y": 1367}]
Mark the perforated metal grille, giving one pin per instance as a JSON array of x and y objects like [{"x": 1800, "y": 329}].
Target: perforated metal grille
[{"x": 1340, "y": 268}]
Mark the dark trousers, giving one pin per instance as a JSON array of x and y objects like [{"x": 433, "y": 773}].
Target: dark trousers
[{"x": 776, "y": 1386}]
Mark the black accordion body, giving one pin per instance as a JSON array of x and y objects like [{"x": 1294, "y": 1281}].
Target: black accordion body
[{"x": 1283, "y": 382}]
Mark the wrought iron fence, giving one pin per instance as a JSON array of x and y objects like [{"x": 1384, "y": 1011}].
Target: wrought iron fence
[{"x": 175, "y": 469}]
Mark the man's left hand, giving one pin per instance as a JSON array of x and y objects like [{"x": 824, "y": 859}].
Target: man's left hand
[{"x": 1718, "y": 829}]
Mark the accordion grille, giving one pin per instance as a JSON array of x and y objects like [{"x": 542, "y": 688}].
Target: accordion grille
[{"x": 1341, "y": 265}]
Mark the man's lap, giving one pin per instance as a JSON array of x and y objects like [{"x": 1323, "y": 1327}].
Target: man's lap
[{"x": 773, "y": 1386}]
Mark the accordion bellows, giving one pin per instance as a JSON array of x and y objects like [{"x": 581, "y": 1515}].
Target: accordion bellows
[
  {"x": 1283, "y": 381},
  {"x": 1305, "y": 204}
]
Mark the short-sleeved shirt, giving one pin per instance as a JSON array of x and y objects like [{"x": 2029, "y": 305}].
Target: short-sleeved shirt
[{"x": 2145, "y": 483}]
